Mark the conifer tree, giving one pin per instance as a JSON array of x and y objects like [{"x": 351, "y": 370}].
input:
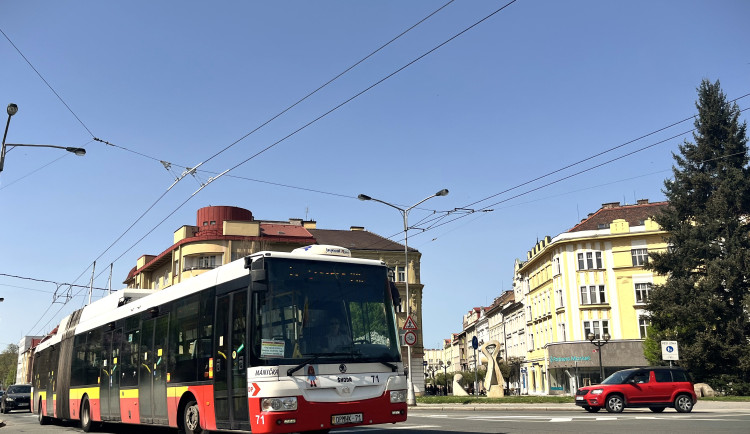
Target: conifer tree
[{"x": 703, "y": 304}]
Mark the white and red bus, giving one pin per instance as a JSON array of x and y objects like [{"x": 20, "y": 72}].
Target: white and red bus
[{"x": 243, "y": 347}]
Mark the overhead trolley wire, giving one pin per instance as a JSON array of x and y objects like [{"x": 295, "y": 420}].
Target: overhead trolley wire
[{"x": 237, "y": 141}]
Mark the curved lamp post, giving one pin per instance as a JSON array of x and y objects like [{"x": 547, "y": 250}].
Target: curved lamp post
[
  {"x": 599, "y": 343},
  {"x": 410, "y": 399},
  {"x": 13, "y": 109}
]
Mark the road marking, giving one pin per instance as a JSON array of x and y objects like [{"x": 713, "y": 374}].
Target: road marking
[{"x": 561, "y": 419}]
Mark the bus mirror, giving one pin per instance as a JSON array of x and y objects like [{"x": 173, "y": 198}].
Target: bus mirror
[{"x": 258, "y": 275}]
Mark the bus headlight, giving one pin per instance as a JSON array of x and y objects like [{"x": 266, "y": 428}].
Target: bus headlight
[
  {"x": 287, "y": 403},
  {"x": 398, "y": 396}
]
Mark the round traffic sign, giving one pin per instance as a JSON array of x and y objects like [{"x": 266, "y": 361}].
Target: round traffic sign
[{"x": 410, "y": 338}]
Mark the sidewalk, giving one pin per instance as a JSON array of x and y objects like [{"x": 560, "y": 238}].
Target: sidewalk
[{"x": 712, "y": 406}]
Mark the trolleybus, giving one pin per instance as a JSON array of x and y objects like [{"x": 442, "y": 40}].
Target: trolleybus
[{"x": 245, "y": 347}]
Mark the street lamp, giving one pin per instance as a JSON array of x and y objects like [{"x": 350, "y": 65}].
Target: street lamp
[
  {"x": 598, "y": 343},
  {"x": 410, "y": 399},
  {"x": 445, "y": 374},
  {"x": 13, "y": 109}
]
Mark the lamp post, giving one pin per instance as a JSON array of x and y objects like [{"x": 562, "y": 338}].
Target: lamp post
[
  {"x": 410, "y": 399},
  {"x": 13, "y": 109},
  {"x": 445, "y": 373},
  {"x": 599, "y": 343}
]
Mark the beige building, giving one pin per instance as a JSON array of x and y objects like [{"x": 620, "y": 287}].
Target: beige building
[{"x": 226, "y": 233}]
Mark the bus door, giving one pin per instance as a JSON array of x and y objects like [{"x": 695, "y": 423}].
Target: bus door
[
  {"x": 230, "y": 362},
  {"x": 152, "y": 384},
  {"x": 109, "y": 386}
]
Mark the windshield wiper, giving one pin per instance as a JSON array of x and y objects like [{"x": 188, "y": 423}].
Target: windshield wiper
[{"x": 314, "y": 357}]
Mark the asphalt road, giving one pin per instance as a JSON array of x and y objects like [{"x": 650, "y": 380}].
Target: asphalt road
[{"x": 461, "y": 419}]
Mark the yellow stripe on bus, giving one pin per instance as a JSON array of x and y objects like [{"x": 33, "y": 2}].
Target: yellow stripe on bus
[
  {"x": 92, "y": 392},
  {"x": 129, "y": 393},
  {"x": 176, "y": 392}
]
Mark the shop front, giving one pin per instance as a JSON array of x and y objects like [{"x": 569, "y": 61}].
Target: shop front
[{"x": 575, "y": 364}]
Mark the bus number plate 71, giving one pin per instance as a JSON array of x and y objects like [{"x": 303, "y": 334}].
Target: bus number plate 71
[{"x": 341, "y": 419}]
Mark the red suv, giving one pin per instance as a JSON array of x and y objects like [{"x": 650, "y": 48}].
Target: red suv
[{"x": 654, "y": 387}]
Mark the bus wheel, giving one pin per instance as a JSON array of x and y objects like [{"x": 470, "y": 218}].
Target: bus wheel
[
  {"x": 191, "y": 418},
  {"x": 43, "y": 420},
  {"x": 86, "y": 424}
]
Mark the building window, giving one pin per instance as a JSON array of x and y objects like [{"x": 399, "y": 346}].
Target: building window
[
  {"x": 642, "y": 291},
  {"x": 593, "y": 294},
  {"x": 556, "y": 265},
  {"x": 590, "y": 261},
  {"x": 560, "y": 296},
  {"x": 640, "y": 257},
  {"x": 562, "y": 335},
  {"x": 176, "y": 267},
  {"x": 643, "y": 324},
  {"x": 398, "y": 273},
  {"x": 598, "y": 327}
]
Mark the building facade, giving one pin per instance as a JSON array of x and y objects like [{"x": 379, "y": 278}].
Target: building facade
[
  {"x": 225, "y": 233},
  {"x": 589, "y": 281}
]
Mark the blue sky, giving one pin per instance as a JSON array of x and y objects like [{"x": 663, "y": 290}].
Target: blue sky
[{"x": 530, "y": 90}]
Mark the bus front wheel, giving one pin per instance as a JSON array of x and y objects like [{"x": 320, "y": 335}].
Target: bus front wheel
[{"x": 191, "y": 418}]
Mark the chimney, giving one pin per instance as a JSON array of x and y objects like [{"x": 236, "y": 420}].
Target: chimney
[
  {"x": 610, "y": 205},
  {"x": 310, "y": 224},
  {"x": 295, "y": 222},
  {"x": 357, "y": 228},
  {"x": 642, "y": 202}
]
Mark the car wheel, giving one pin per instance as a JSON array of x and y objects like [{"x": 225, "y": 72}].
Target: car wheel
[
  {"x": 656, "y": 409},
  {"x": 683, "y": 404},
  {"x": 191, "y": 418},
  {"x": 615, "y": 404},
  {"x": 592, "y": 409}
]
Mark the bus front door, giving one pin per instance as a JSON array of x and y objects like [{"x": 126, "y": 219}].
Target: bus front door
[
  {"x": 152, "y": 384},
  {"x": 109, "y": 387},
  {"x": 230, "y": 362}
]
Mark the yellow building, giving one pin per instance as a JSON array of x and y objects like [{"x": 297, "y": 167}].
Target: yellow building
[{"x": 588, "y": 281}]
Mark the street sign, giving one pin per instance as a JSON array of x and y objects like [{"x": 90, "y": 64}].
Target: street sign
[
  {"x": 669, "y": 350},
  {"x": 410, "y": 338},
  {"x": 410, "y": 324},
  {"x": 474, "y": 342}
]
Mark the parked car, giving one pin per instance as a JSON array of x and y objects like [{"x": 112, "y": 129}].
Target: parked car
[
  {"x": 17, "y": 397},
  {"x": 654, "y": 387}
]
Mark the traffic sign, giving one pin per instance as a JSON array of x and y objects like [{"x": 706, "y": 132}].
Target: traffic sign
[
  {"x": 474, "y": 342},
  {"x": 410, "y": 324},
  {"x": 410, "y": 338},
  {"x": 669, "y": 350}
]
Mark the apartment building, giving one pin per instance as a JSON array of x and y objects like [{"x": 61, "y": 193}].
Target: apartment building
[
  {"x": 225, "y": 233},
  {"x": 587, "y": 281}
]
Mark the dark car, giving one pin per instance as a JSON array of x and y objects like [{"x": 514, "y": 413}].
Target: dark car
[
  {"x": 654, "y": 387},
  {"x": 17, "y": 397}
]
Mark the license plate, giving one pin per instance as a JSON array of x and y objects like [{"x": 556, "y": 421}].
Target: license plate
[
  {"x": 342, "y": 419},
  {"x": 579, "y": 398}
]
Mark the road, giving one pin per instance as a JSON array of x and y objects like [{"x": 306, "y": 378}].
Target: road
[{"x": 484, "y": 421}]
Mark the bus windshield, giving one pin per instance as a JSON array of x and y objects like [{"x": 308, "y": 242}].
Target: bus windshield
[{"x": 329, "y": 311}]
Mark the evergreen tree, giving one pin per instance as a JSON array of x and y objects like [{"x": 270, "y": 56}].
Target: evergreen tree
[{"x": 703, "y": 304}]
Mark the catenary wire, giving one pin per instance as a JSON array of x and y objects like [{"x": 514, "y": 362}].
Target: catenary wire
[{"x": 322, "y": 116}]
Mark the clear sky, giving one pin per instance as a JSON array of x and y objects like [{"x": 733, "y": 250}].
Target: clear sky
[{"x": 531, "y": 90}]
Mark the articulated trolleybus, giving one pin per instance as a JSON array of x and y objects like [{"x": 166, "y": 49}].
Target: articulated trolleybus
[{"x": 272, "y": 343}]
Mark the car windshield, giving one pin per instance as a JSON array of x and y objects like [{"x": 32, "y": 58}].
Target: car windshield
[
  {"x": 618, "y": 377},
  {"x": 19, "y": 389},
  {"x": 324, "y": 310}
]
